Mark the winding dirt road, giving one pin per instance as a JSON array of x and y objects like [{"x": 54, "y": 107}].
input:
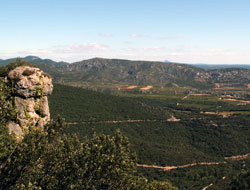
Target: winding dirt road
[
  {"x": 171, "y": 119},
  {"x": 168, "y": 168}
]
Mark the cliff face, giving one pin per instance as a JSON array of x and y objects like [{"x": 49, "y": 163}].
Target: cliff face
[{"x": 30, "y": 89}]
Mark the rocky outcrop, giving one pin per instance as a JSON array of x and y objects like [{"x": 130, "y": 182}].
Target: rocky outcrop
[{"x": 30, "y": 89}]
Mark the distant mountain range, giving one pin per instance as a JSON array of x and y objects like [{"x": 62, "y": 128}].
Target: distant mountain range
[
  {"x": 215, "y": 66},
  {"x": 221, "y": 66},
  {"x": 117, "y": 71}
]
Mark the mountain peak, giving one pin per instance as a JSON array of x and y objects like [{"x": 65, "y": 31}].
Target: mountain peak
[
  {"x": 98, "y": 58},
  {"x": 30, "y": 57}
]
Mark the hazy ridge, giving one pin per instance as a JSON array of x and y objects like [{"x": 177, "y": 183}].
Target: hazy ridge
[{"x": 117, "y": 71}]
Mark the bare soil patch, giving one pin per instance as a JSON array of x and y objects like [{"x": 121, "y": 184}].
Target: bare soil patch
[
  {"x": 217, "y": 85},
  {"x": 146, "y": 88},
  {"x": 131, "y": 87},
  {"x": 223, "y": 114},
  {"x": 173, "y": 119},
  {"x": 235, "y": 100}
]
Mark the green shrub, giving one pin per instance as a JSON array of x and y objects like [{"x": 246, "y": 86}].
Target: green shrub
[
  {"x": 19, "y": 62},
  {"x": 50, "y": 159}
]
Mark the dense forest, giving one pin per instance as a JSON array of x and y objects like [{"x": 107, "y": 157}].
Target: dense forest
[
  {"x": 103, "y": 137},
  {"x": 205, "y": 138}
]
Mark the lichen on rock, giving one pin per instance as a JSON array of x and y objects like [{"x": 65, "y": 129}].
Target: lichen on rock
[
  {"x": 30, "y": 90},
  {"x": 31, "y": 85}
]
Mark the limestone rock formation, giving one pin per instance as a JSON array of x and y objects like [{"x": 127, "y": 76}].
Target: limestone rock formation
[{"x": 30, "y": 88}]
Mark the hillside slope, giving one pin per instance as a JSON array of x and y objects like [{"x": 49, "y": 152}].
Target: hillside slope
[
  {"x": 126, "y": 72},
  {"x": 198, "y": 137},
  {"x": 75, "y": 104}
]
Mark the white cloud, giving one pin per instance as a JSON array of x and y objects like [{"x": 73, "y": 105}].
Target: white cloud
[
  {"x": 35, "y": 52},
  {"x": 186, "y": 53},
  {"x": 168, "y": 38},
  {"x": 82, "y": 48},
  {"x": 105, "y": 35},
  {"x": 134, "y": 35},
  {"x": 139, "y": 36},
  {"x": 71, "y": 53},
  {"x": 128, "y": 42}
]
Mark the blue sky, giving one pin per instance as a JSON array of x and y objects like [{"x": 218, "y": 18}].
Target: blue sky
[{"x": 189, "y": 31}]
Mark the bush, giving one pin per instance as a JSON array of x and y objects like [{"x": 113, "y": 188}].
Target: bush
[
  {"x": 242, "y": 181},
  {"x": 19, "y": 62},
  {"x": 50, "y": 159},
  {"x": 7, "y": 113}
]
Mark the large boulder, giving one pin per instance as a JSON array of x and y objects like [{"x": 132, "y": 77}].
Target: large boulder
[
  {"x": 30, "y": 88},
  {"x": 30, "y": 82}
]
